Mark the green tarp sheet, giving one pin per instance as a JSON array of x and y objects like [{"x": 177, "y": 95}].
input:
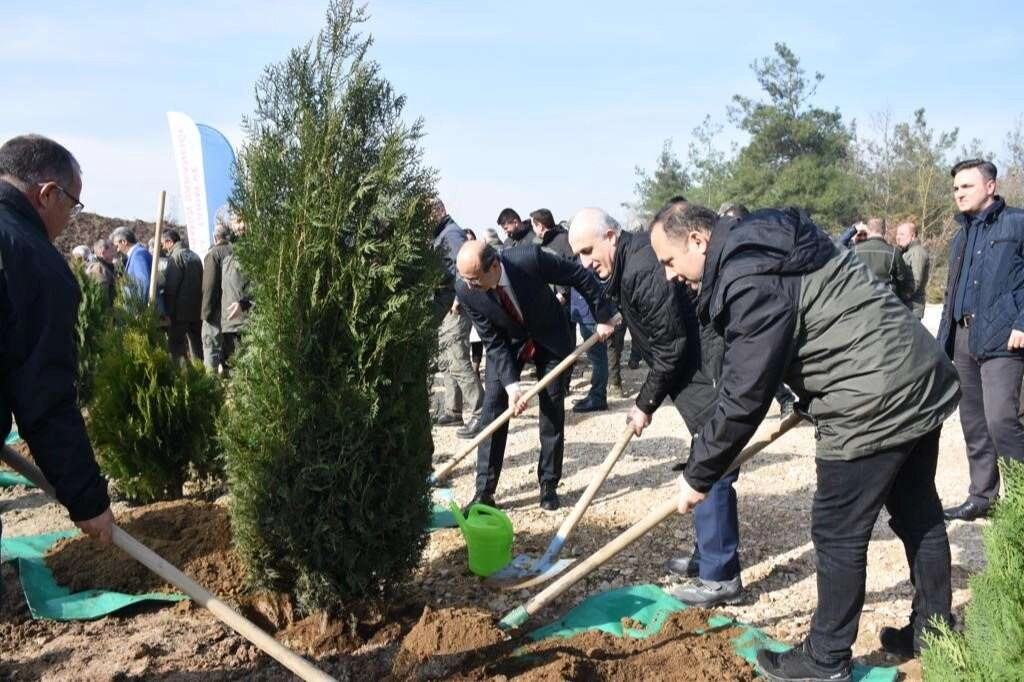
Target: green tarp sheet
[
  {"x": 651, "y": 606},
  {"x": 47, "y": 599}
]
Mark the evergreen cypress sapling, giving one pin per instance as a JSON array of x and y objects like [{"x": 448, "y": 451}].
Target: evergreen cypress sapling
[{"x": 327, "y": 435}]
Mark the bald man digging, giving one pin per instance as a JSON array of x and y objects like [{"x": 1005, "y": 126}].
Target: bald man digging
[
  {"x": 663, "y": 325},
  {"x": 510, "y": 302}
]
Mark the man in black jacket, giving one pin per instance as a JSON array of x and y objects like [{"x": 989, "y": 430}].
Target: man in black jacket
[
  {"x": 40, "y": 186},
  {"x": 663, "y": 325},
  {"x": 511, "y": 304},
  {"x": 182, "y": 283},
  {"x": 875, "y": 384},
  {"x": 455, "y": 361},
  {"x": 517, "y": 232}
]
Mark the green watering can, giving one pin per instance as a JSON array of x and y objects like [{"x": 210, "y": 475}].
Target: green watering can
[{"x": 488, "y": 533}]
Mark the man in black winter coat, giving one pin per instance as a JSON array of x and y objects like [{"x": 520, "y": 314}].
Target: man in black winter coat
[
  {"x": 517, "y": 232},
  {"x": 877, "y": 386},
  {"x": 40, "y": 186},
  {"x": 510, "y": 302},
  {"x": 663, "y": 325}
]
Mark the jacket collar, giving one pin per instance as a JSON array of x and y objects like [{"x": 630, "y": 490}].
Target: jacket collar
[
  {"x": 13, "y": 197},
  {"x": 985, "y": 216},
  {"x": 613, "y": 287},
  {"x": 445, "y": 221},
  {"x": 550, "y": 235}
]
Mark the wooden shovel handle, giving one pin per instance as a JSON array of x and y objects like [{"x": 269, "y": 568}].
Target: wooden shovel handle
[
  {"x": 507, "y": 414},
  {"x": 199, "y": 594},
  {"x": 520, "y": 614},
  {"x": 588, "y": 495}
]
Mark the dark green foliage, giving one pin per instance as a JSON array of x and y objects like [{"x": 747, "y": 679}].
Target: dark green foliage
[
  {"x": 992, "y": 645},
  {"x": 798, "y": 155},
  {"x": 94, "y": 319},
  {"x": 151, "y": 421},
  {"x": 655, "y": 189},
  {"x": 327, "y": 436}
]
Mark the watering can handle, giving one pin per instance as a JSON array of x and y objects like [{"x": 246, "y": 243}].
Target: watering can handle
[{"x": 484, "y": 510}]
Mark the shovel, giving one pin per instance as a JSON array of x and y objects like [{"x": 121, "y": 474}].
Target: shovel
[
  {"x": 154, "y": 562},
  {"x": 519, "y": 615},
  {"x": 447, "y": 467},
  {"x": 525, "y": 570}
]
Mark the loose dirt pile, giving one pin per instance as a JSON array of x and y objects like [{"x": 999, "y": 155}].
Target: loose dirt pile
[
  {"x": 194, "y": 536},
  {"x": 466, "y": 644}
]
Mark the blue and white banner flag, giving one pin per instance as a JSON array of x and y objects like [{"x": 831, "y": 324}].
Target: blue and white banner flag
[{"x": 206, "y": 168}]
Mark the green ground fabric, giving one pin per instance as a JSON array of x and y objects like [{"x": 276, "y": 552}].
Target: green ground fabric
[
  {"x": 440, "y": 515},
  {"x": 651, "y": 606},
  {"x": 46, "y": 599}
]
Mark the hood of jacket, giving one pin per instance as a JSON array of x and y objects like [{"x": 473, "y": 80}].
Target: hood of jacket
[{"x": 768, "y": 241}]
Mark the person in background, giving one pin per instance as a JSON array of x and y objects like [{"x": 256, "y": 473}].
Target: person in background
[
  {"x": 213, "y": 275},
  {"x": 102, "y": 269},
  {"x": 918, "y": 262},
  {"x": 183, "y": 298},
  {"x": 884, "y": 260},
  {"x": 982, "y": 329},
  {"x": 138, "y": 266},
  {"x": 517, "y": 232}
]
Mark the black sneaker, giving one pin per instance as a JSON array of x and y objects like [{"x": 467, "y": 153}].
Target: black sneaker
[
  {"x": 710, "y": 593},
  {"x": 471, "y": 429},
  {"x": 548, "y": 497},
  {"x": 797, "y": 665},
  {"x": 447, "y": 419},
  {"x": 898, "y": 641},
  {"x": 590, "y": 405},
  {"x": 686, "y": 565}
]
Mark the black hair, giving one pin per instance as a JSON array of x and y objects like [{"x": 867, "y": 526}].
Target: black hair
[
  {"x": 987, "y": 168},
  {"x": 680, "y": 219},
  {"x": 543, "y": 216},
  {"x": 34, "y": 158},
  {"x": 507, "y": 216}
]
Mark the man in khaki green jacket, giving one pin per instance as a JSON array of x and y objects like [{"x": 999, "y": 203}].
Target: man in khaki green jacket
[{"x": 918, "y": 261}]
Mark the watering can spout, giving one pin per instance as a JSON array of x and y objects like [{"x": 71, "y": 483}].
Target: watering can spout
[{"x": 457, "y": 513}]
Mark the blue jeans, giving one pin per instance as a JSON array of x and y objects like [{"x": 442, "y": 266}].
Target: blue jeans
[
  {"x": 598, "y": 355},
  {"x": 717, "y": 533}
]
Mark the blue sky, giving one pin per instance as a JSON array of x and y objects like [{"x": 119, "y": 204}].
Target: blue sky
[{"x": 526, "y": 104}]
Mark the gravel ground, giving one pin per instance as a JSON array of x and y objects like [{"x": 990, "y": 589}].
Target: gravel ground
[{"x": 775, "y": 492}]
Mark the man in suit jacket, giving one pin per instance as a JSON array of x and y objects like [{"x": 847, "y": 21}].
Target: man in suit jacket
[{"x": 510, "y": 302}]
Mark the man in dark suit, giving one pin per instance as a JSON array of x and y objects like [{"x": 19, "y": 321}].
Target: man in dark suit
[{"x": 510, "y": 302}]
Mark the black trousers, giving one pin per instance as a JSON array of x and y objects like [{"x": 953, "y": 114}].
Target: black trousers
[
  {"x": 846, "y": 504},
  {"x": 989, "y": 400},
  {"x": 185, "y": 339},
  {"x": 491, "y": 454}
]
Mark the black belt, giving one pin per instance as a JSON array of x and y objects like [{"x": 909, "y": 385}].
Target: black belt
[{"x": 966, "y": 321}]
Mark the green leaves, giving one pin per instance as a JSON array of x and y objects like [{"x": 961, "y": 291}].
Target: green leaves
[
  {"x": 327, "y": 436},
  {"x": 992, "y": 645}
]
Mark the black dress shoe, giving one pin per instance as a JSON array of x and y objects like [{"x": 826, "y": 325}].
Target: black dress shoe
[
  {"x": 633, "y": 364},
  {"x": 470, "y": 430},
  {"x": 548, "y": 497},
  {"x": 968, "y": 511},
  {"x": 797, "y": 664},
  {"x": 483, "y": 499},
  {"x": 589, "y": 405},
  {"x": 447, "y": 419},
  {"x": 898, "y": 641},
  {"x": 686, "y": 565}
]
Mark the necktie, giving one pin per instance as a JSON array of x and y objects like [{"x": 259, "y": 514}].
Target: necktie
[{"x": 529, "y": 349}]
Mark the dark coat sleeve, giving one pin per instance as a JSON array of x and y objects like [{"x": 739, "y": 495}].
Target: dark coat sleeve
[
  {"x": 172, "y": 276},
  {"x": 558, "y": 270},
  {"x": 211, "y": 288},
  {"x": 501, "y": 354},
  {"x": 759, "y": 318},
  {"x": 38, "y": 385},
  {"x": 653, "y": 298},
  {"x": 453, "y": 241}
]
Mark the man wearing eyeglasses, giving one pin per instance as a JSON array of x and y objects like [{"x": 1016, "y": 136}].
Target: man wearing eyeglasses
[{"x": 40, "y": 185}]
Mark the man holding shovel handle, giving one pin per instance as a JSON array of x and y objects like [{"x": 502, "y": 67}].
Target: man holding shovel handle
[
  {"x": 663, "y": 325},
  {"x": 875, "y": 384},
  {"x": 508, "y": 299},
  {"x": 40, "y": 190}
]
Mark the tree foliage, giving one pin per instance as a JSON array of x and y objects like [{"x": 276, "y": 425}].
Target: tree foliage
[
  {"x": 992, "y": 644},
  {"x": 669, "y": 179},
  {"x": 151, "y": 421},
  {"x": 94, "y": 319},
  {"x": 327, "y": 435}
]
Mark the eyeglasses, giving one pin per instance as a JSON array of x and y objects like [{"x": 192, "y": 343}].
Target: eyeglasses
[{"x": 77, "y": 208}]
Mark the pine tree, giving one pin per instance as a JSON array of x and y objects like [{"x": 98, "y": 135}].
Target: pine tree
[
  {"x": 992, "y": 645},
  {"x": 327, "y": 435},
  {"x": 151, "y": 421},
  {"x": 669, "y": 179}
]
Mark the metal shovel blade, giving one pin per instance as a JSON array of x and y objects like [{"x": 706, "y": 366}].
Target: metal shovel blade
[{"x": 525, "y": 571}]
